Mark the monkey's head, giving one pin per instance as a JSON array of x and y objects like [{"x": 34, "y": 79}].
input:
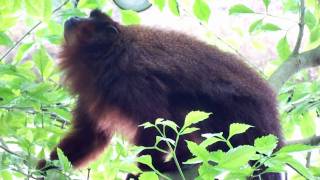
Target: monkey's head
[{"x": 97, "y": 29}]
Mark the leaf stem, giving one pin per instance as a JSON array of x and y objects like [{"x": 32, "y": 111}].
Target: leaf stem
[{"x": 173, "y": 152}]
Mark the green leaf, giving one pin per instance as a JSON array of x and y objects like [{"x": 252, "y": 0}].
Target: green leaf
[
  {"x": 5, "y": 39},
  {"x": 159, "y": 3},
  {"x": 195, "y": 160},
  {"x": 239, "y": 9},
  {"x": 270, "y": 27},
  {"x": 298, "y": 167},
  {"x": 255, "y": 25},
  {"x": 217, "y": 156},
  {"x": 266, "y": 3},
  {"x": 237, "y": 128},
  {"x": 63, "y": 160},
  {"x": 207, "y": 172},
  {"x": 159, "y": 138},
  {"x": 310, "y": 20},
  {"x": 130, "y": 17},
  {"x": 291, "y": 5},
  {"x": 314, "y": 35},
  {"x": 308, "y": 125},
  {"x": 91, "y": 4},
  {"x": 210, "y": 141},
  {"x": 23, "y": 48},
  {"x": 237, "y": 157},
  {"x": 43, "y": 62},
  {"x": 189, "y": 130},
  {"x": 283, "y": 48},
  {"x": 201, "y": 10},
  {"x": 148, "y": 176},
  {"x": 266, "y": 144},
  {"x": 7, "y": 22},
  {"x": 296, "y": 148},
  {"x": 173, "y": 6},
  {"x": 146, "y": 159},
  {"x": 170, "y": 124},
  {"x": 194, "y": 117},
  {"x": 40, "y": 9},
  {"x": 198, "y": 151},
  {"x": 146, "y": 125},
  {"x": 6, "y": 175}
]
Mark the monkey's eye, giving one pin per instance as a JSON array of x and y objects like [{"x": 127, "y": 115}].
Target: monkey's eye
[{"x": 106, "y": 28}]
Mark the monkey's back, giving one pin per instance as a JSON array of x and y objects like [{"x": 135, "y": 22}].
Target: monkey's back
[{"x": 200, "y": 76}]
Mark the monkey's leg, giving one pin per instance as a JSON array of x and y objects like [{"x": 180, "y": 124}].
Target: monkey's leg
[{"x": 84, "y": 142}]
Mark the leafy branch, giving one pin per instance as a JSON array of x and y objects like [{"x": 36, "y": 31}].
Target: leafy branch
[
  {"x": 29, "y": 32},
  {"x": 296, "y": 61}
]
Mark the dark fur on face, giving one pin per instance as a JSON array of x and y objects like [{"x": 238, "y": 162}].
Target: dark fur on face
[{"x": 127, "y": 75}]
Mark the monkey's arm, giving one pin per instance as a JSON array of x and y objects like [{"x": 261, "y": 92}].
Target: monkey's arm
[{"x": 84, "y": 142}]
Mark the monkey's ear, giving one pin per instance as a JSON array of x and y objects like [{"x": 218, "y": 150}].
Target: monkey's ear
[{"x": 96, "y": 13}]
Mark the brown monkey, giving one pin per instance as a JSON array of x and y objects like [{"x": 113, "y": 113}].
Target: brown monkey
[{"x": 127, "y": 75}]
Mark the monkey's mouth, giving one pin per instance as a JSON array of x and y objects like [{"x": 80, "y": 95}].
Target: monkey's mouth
[{"x": 71, "y": 23}]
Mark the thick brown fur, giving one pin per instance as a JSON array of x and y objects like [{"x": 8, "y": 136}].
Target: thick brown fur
[{"x": 127, "y": 75}]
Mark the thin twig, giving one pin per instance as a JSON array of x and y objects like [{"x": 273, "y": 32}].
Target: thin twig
[
  {"x": 30, "y": 110},
  {"x": 9, "y": 151},
  {"x": 308, "y": 159},
  {"x": 88, "y": 175},
  {"x": 301, "y": 28},
  {"x": 28, "y": 32},
  {"x": 275, "y": 16}
]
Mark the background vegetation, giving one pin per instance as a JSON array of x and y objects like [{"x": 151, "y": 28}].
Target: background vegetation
[{"x": 35, "y": 109}]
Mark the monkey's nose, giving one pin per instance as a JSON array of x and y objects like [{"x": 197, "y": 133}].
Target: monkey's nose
[{"x": 71, "y": 22}]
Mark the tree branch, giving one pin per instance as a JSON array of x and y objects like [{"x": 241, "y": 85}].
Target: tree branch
[
  {"x": 294, "y": 64},
  {"x": 314, "y": 140},
  {"x": 301, "y": 28},
  {"x": 5, "y": 148}
]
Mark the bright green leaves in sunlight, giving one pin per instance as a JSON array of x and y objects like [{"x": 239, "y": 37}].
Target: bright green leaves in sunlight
[
  {"x": 159, "y": 3},
  {"x": 43, "y": 62},
  {"x": 310, "y": 20},
  {"x": 201, "y": 10},
  {"x": 92, "y": 4},
  {"x": 270, "y": 27},
  {"x": 266, "y": 3},
  {"x": 63, "y": 160},
  {"x": 174, "y": 7},
  {"x": 5, "y": 39},
  {"x": 148, "y": 176},
  {"x": 283, "y": 48},
  {"x": 291, "y": 5},
  {"x": 266, "y": 144},
  {"x": 307, "y": 122},
  {"x": 39, "y": 9},
  {"x": 313, "y": 26},
  {"x": 259, "y": 26},
  {"x": 130, "y": 17},
  {"x": 8, "y": 15},
  {"x": 237, "y": 128},
  {"x": 315, "y": 35},
  {"x": 237, "y": 157},
  {"x": 198, "y": 151},
  {"x": 240, "y": 9},
  {"x": 194, "y": 117}
]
